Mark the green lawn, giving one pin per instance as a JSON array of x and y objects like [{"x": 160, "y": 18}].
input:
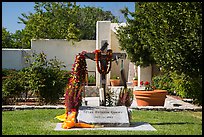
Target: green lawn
[{"x": 42, "y": 122}]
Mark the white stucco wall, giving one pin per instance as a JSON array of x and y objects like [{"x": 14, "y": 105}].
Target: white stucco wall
[
  {"x": 115, "y": 47},
  {"x": 14, "y": 58},
  {"x": 144, "y": 74},
  {"x": 64, "y": 50}
]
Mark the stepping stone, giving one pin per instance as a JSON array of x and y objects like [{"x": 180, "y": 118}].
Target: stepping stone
[{"x": 137, "y": 126}]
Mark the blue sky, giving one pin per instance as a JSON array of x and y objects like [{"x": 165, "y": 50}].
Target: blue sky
[{"x": 12, "y": 10}]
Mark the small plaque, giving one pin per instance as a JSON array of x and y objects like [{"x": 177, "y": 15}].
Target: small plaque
[{"x": 107, "y": 116}]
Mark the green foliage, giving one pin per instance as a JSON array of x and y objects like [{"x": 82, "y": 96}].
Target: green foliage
[
  {"x": 8, "y": 72},
  {"x": 56, "y": 20},
  {"x": 12, "y": 87},
  {"x": 163, "y": 82},
  {"x": 87, "y": 23},
  {"x": 188, "y": 87},
  {"x": 20, "y": 40},
  {"x": 50, "y": 21},
  {"x": 91, "y": 79},
  {"x": 45, "y": 78},
  {"x": 125, "y": 97},
  {"x": 132, "y": 40},
  {"x": 135, "y": 78},
  {"x": 177, "y": 43},
  {"x": 168, "y": 34},
  {"x": 62, "y": 20},
  {"x": 6, "y": 38},
  {"x": 115, "y": 77}
]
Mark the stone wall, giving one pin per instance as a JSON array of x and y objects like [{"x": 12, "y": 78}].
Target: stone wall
[
  {"x": 64, "y": 50},
  {"x": 14, "y": 58}
]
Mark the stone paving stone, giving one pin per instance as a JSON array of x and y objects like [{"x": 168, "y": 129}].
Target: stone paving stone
[{"x": 137, "y": 126}]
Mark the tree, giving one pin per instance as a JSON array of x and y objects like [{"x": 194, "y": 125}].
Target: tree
[
  {"x": 170, "y": 35},
  {"x": 20, "y": 40},
  {"x": 6, "y": 38},
  {"x": 62, "y": 20},
  {"x": 87, "y": 23},
  {"x": 131, "y": 39},
  {"x": 54, "y": 20},
  {"x": 14, "y": 40}
]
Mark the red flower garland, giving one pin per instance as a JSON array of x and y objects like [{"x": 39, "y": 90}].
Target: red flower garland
[
  {"x": 98, "y": 58},
  {"x": 73, "y": 97}
]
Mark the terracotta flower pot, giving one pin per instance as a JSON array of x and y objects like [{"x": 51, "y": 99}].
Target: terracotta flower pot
[
  {"x": 115, "y": 82},
  {"x": 150, "y": 98}
]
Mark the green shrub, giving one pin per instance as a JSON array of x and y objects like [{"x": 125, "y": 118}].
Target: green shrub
[
  {"x": 45, "y": 78},
  {"x": 55, "y": 82},
  {"x": 188, "y": 87},
  {"x": 8, "y": 72},
  {"x": 163, "y": 81},
  {"x": 91, "y": 79},
  {"x": 12, "y": 87}
]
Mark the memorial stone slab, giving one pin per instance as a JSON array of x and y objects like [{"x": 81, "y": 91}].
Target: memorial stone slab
[{"x": 107, "y": 116}]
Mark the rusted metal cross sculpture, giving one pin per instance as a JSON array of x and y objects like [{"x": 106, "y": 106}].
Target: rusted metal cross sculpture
[{"x": 104, "y": 58}]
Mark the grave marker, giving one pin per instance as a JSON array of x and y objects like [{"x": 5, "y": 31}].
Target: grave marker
[{"x": 107, "y": 116}]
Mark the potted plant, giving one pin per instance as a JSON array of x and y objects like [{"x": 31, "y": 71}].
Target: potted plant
[
  {"x": 135, "y": 81},
  {"x": 91, "y": 80},
  {"x": 150, "y": 96},
  {"x": 115, "y": 81}
]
